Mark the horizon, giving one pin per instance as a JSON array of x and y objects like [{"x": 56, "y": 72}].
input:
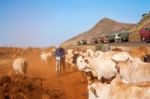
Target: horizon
[{"x": 44, "y": 23}]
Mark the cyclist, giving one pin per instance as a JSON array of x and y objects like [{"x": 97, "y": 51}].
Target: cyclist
[{"x": 60, "y": 60}]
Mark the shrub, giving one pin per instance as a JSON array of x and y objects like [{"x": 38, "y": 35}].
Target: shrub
[{"x": 98, "y": 47}]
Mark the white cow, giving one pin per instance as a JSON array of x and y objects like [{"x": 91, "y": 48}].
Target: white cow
[
  {"x": 69, "y": 58},
  {"x": 102, "y": 63},
  {"x": 98, "y": 90},
  {"x": 83, "y": 67},
  {"x": 72, "y": 54},
  {"x": 118, "y": 90},
  {"x": 45, "y": 56},
  {"x": 134, "y": 71},
  {"x": 20, "y": 66}
]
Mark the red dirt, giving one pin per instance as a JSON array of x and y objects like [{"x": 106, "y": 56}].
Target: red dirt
[{"x": 69, "y": 83}]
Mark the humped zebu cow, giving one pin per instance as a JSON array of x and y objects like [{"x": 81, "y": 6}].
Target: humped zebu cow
[
  {"x": 72, "y": 54},
  {"x": 134, "y": 71},
  {"x": 82, "y": 65},
  {"x": 46, "y": 56},
  {"x": 100, "y": 63},
  {"x": 103, "y": 65},
  {"x": 118, "y": 90},
  {"x": 69, "y": 58},
  {"x": 20, "y": 66}
]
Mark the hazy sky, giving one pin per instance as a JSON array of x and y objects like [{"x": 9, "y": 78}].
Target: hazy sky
[{"x": 42, "y": 23}]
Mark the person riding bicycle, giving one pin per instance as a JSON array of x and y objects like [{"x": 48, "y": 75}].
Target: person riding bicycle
[{"x": 60, "y": 56}]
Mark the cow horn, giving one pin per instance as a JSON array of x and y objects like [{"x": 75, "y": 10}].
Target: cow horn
[
  {"x": 114, "y": 60},
  {"x": 93, "y": 91},
  {"x": 127, "y": 59}
]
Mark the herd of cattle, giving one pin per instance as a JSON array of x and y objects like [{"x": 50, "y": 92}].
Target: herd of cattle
[{"x": 114, "y": 74}]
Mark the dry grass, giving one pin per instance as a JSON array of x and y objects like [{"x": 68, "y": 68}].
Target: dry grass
[{"x": 18, "y": 87}]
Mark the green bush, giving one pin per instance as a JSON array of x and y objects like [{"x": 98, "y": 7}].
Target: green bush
[
  {"x": 102, "y": 47},
  {"x": 98, "y": 47}
]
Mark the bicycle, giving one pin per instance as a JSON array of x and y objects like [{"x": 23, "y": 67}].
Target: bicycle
[{"x": 59, "y": 67}]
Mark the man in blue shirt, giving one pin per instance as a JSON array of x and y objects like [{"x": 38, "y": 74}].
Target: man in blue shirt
[{"x": 60, "y": 57}]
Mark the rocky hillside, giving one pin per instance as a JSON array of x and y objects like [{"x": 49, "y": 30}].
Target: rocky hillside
[
  {"x": 144, "y": 22},
  {"x": 104, "y": 26}
]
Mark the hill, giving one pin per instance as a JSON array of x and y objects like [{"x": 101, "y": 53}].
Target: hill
[
  {"x": 144, "y": 22},
  {"x": 104, "y": 26}
]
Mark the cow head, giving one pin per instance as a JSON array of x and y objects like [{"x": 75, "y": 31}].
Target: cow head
[{"x": 120, "y": 63}]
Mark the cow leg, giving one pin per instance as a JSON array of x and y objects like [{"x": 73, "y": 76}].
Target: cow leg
[{"x": 83, "y": 76}]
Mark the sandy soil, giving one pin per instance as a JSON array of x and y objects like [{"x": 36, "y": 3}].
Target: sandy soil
[{"x": 69, "y": 83}]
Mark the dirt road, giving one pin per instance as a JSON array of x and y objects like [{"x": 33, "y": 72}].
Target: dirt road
[{"x": 69, "y": 83}]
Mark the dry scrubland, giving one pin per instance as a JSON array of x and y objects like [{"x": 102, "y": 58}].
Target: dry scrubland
[{"x": 41, "y": 81}]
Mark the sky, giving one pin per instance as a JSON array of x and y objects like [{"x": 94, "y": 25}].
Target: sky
[{"x": 43, "y": 23}]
